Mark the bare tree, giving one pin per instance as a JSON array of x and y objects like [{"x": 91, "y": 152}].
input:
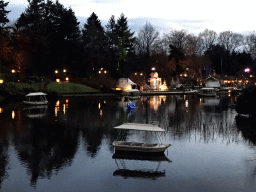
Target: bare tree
[
  {"x": 206, "y": 39},
  {"x": 230, "y": 40},
  {"x": 182, "y": 41},
  {"x": 250, "y": 44},
  {"x": 146, "y": 38},
  {"x": 144, "y": 42},
  {"x": 181, "y": 44}
]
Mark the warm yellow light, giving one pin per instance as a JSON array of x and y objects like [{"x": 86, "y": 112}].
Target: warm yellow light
[
  {"x": 56, "y": 71},
  {"x": 99, "y": 106},
  {"x": 64, "y": 70},
  {"x": 105, "y": 71},
  {"x": 118, "y": 89},
  {"x": 180, "y": 75},
  {"x": 1, "y": 81},
  {"x": 251, "y": 75},
  {"x": 225, "y": 81},
  {"x": 13, "y": 71},
  {"x": 56, "y": 111},
  {"x": 13, "y": 114},
  {"x": 185, "y": 75},
  {"x": 64, "y": 109},
  {"x": 135, "y": 73},
  {"x": 67, "y": 79},
  {"x": 66, "y": 101},
  {"x": 141, "y": 73},
  {"x": 1, "y": 110},
  {"x": 186, "y": 103},
  {"x": 240, "y": 81},
  {"x": 57, "y": 103},
  {"x": 99, "y": 71},
  {"x": 57, "y": 80}
]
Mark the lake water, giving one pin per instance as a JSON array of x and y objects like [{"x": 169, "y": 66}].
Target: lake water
[{"x": 68, "y": 146}]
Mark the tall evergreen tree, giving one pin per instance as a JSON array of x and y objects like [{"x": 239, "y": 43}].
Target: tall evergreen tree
[
  {"x": 94, "y": 42},
  {"x": 125, "y": 42},
  {"x": 32, "y": 20},
  {"x": 53, "y": 33},
  {"x": 112, "y": 43},
  {"x": 3, "y": 14},
  {"x": 62, "y": 32}
]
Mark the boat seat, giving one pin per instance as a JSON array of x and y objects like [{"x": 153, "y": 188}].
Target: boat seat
[
  {"x": 136, "y": 144},
  {"x": 149, "y": 145},
  {"x": 124, "y": 143}
]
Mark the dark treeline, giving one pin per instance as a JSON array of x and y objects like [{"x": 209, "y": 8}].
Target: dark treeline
[{"x": 47, "y": 37}]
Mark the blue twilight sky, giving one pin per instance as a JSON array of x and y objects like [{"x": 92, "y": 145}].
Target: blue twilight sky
[{"x": 192, "y": 15}]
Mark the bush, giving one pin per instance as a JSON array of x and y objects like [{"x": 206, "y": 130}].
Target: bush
[{"x": 246, "y": 102}]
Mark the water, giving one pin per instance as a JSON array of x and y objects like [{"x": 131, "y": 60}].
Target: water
[{"x": 67, "y": 146}]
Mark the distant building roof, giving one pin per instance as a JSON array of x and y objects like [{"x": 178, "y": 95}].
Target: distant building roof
[
  {"x": 211, "y": 79},
  {"x": 124, "y": 82}
]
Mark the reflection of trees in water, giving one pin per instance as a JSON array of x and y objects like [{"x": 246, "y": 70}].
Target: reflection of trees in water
[
  {"x": 11, "y": 121},
  {"x": 203, "y": 121},
  {"x": 47, "y": 148},
  {"x": 247, "y": 126},
  {"x": 96, "y": 120},
  {"x": 3, "y": 160}
]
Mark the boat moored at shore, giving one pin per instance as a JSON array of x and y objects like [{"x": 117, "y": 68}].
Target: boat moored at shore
[{"x": 36, "y": 98}]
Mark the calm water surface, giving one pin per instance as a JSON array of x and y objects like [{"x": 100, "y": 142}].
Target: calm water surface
[{"x": 67, "y": 146}]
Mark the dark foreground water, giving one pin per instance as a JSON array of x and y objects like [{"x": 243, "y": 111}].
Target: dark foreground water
[{"x": 67, "y": 146}]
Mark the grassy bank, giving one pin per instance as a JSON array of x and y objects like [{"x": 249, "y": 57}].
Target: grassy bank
[
  {"x": 59, "y": 88},
  {"x": 18, "y": 90}
]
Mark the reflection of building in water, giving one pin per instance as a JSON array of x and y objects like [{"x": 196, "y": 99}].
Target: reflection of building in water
[
  {"x": 156, "y": 101},
  {"x": 209, "y": 101},
  {"x": 61, "y": 105}
]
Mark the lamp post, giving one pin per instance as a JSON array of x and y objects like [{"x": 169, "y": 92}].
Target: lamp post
[{"x": 13, "y": 73}]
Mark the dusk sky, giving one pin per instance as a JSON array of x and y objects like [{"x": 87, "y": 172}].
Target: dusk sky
[{"x": 194, "y": 16}]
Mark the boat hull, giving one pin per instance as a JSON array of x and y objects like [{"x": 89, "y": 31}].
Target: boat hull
[
  {"x": 36, "y": 102},
  {"x": 139, "y": 147},
  {"x": 207, "y": 95}
]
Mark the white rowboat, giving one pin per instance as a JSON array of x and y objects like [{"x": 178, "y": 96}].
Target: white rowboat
[
  {"x": 37, "y": 98},
  {"x": 137, "y": 146}
]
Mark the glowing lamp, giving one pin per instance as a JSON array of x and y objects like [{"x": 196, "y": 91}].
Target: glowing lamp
[
  {"x": 57, "y": 80},
  {"x": 247, "y": 70},
  {"x": 1, "y": 81}
]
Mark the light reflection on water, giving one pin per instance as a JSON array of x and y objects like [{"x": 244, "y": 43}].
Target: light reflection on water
[{"x": 67, "y": 146}]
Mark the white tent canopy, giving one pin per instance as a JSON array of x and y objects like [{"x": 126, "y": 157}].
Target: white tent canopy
[
  {"x": 125, "y": 83},
  {"x": 140, "y": 127}
]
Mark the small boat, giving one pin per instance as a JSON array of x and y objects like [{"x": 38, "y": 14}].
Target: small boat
[
  {"x": 126, "y": 146},
  {"x": 207, "y": 92},
  {"x": 132, "y": 94},
  {"x": 37, "y": 98}
]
